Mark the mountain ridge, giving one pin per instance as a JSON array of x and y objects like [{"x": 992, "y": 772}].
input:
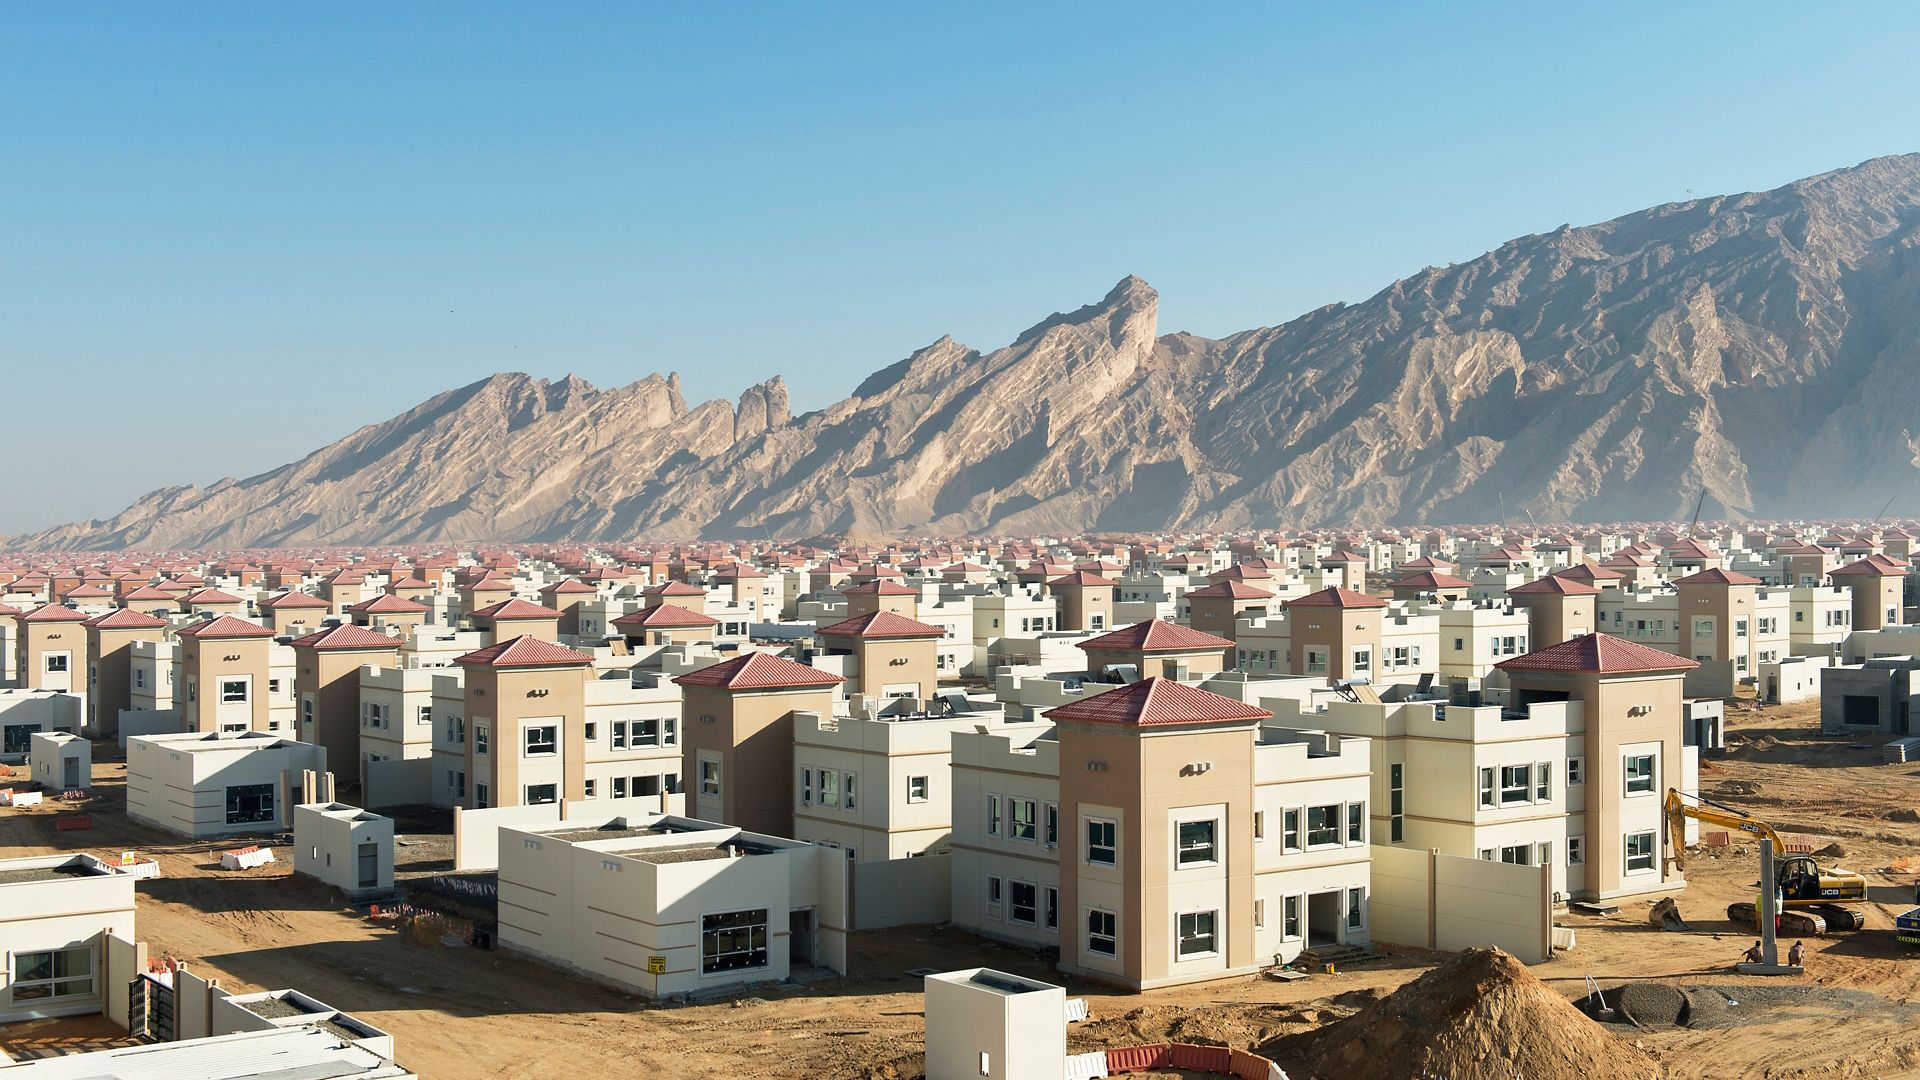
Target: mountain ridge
[{"x": 1759, "y": 345}]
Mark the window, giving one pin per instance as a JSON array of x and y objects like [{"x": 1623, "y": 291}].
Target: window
[
  {"x": 250, "y": 804},
  {"x": 1259, "y": 914},
  {"x": 1517, "y": 854},
  {"x": 1103, "y": 842},
  {"x": 1290, "y": 831},
  {"x": 1023, "y": 815},
  {"x": 1486, "y": 786},
  {"x": 1323, "y": 825},
  {"x": 1103, "y": 932},
  {"x": 1196, "y": 935},
  {"x": 733, "y": 941},
  {"x": 619, "y": 735},
  {"x": 619, "y": 787},
  {"x": 56, "y": 973},
  {"x": 646, "y": 785},
  {"x": 1639, "y": 773},
  {"x": 806, "y": 787},
  {"x": 1516, "y": 783},
  {"x": 541, "y": 794},
  {"x": 852, "y": 799},
  {"x": 916, "y": 789},
  {"x": 829, "y": 787},
  {"x": 1639, "y": 847},
  {"x": 1197, "y": 843},
  {"x": 587, "y": 788},
  {"x": 1316, "y": 661},
  {"x": 993, "y": 815},
  {"x": 233, "y": 691},
  {"x": 1356, "y": 823},
  {"x": 1052, "y": 911},
  {"x": 1051, "y": 835},
  {"x": 56, "y": 663},
  {"x": 139, "y": 678},
  {"x": 1290, "y": 918},
  {"x": 1576, "y": 850},
  {"x": 1023, "y": 902},
  {"x": 1542, "y": 784},
  {"x": 709, "y": 778},
  {"x": 996, "y": 892},
  {"x": 1356, "y": 908},
  {"x": 1259, "y": 824},
  {"x": 1362, "y": 659},
  {"x": 480, "y": 796},
  {"x": 592, "y": 732},
  {"x": 1576, "y": 771},
  {"x": 479, "y": 738},
  {"x": 543, "y": 740},
  {"x": 1396, "y": 802}
]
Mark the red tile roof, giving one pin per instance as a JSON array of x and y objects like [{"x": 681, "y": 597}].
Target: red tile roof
[
  {"x": 881, "y": 624},
  {"x": 54, "y": 613},
  {"x": 1599, "y": 653},
  {"x": 1231, "y": 588},
  {"x": 126, "y": 619},
  {"x": 226, "y": 626},
  {"x": 211, "y": 596},
  {"x": 525, "y": 652},
  {"x": 294, "y": 600},
  {"x": 1156, "y": 702},
  {"x": 1156, "y": 635},
  {"x": 516, "y": 608},
  {"x": 148, "y": 592},
  {"x": 1334, "y": 596},
  {"x": 1588, "y": 572},
  {"x": 1085, "y": 579},
  {"x": 664, "y": 617},
  {"x": 1431, "y": 579},
  {"x": 759, "y": 671},
  {"x": 1872, "y": 565},
  {"x": 736, "y": 570},
  {"x": 345, "y": 638},
  {"x": 569, "y": 586},
  {"x": 1717, "y": 577},
  {"x": 1554, "y": 585},
  {"x": 388, "y": 604},
  {"x": 674, "y": 588}
]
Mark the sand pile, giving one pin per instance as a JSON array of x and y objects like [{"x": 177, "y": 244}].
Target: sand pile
[{"x": 1480, "y": 1015}]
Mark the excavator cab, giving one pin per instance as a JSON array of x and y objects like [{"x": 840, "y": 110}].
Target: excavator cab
[{"x": 1801, "y": 882}]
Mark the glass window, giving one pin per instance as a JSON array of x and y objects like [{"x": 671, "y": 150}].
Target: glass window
[
  {"x": 1023, "y": 902},
  {"x": 1486, "y": 786},
  {"x": 233, "y": 691},
  {"x": 1023, "y": 815},
  {"x": 479, "y": 738},
  {"x": 56, "y": 973},
  {"x": 733, "y": 941},
  {"x": 1639, "y": 847},
  {"x": 1542, "y": 786},
  {"x": 1290, "y": 928},
  {"x": 1356, "y": 823},
  {"x": 849, "y": 785},
  {"x": 829, "y": 787},
  {"x": 916, "y": 789},
  {"x": 993, "y": 815},
  {"x": 1323, "y": 825},
  {"x": 619, "y": 735},
  {"x": 619, "y": 787},
  {"x": 1356, "y": 908},
  {"x": 1052, "y": 833},
  {"x": 1103, "y": 932},
  {"x": 543, "y": 740},
  {"x": 1103, "y": 847},
  {"x": 1576, "y": 850},
  {"x": 1052, "y": 908},
  {"x": 806, "y": 787},
  {"x": 1197, "y": 843},
  {"x": 541, "y": 794},
  {"x": 1639, "y": 773},
  {"x": 1290, "y": 825},
  {"x": 709, "y": 778},
  {"x": 1516, "y": 783},
  {"x": 1196, "y": 934},
  {"x": 1576, "y": 771}
]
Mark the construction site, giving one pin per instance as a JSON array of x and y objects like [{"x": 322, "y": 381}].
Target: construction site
[{"x": 1629, "y": 999}]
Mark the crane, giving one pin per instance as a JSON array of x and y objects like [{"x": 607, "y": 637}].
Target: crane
[{"x": 1818, "y": 896}]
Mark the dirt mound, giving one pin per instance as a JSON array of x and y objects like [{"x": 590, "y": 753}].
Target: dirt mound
[
  {"x": 1481, "y": 1014},
  {"x": 1832, "y": 851},
  {"x": 1905, "y": 813},
  {"x": 1739, "y": 787}
]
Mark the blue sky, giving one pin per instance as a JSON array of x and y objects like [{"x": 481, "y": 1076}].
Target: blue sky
[{"x": 229, "y": 235}]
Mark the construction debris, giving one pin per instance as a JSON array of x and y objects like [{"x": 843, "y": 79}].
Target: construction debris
[{"x": 1665, "y": 914}]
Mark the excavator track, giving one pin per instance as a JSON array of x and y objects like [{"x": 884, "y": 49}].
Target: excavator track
[
  {"x": 1794, "y": 922},
  {"x": 1840, "y": 919}
]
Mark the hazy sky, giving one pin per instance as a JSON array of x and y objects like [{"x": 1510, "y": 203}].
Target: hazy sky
[{"x": 231, "y": 234}]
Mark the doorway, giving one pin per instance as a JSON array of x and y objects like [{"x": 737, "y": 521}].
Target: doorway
[
  {"x": 799, "y": 938},
  {"x": 1323, "y": 919},
  {"x": 70, "y": 773}
]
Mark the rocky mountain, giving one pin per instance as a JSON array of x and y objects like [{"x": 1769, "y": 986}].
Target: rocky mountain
[{"x": 1765, "y": 346}]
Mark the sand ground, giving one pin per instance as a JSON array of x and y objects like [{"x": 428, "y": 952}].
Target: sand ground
[{"x": 462, "y": 1013}]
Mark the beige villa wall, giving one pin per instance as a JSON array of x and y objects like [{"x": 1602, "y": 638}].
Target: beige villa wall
[
  {"x": 902, "y": 892},
  {"x": 1433, "y": 901}
]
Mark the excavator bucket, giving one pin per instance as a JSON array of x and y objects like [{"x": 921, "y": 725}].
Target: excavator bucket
[{"x": 1666, "y": 915}]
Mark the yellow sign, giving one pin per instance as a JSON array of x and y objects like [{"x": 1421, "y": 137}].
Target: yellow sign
[{"x": 656, "y": 965}]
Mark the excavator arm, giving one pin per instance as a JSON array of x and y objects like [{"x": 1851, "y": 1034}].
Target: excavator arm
[{"x": 1678, "y": 810}]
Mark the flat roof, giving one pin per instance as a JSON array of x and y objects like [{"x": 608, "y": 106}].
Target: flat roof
[
  {"x": 52, "y": 868},
  {"x": 303, "y": 1052}
]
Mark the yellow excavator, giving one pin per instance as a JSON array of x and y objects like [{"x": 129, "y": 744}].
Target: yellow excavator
[{"x": 1815, "y": 899}]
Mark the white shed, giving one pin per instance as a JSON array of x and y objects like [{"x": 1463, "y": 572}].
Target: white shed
[
  {"x": 348, "y": 848},
  {"x": 60, "y": 761},
  {"x": 983, "y": 1023}
]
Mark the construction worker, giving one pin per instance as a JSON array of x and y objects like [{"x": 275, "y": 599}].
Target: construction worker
[
  {"x": 1794, "y": 954},
  {"x": 1753, "y": 954}
]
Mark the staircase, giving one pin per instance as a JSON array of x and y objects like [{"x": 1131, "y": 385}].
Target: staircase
[{"x": 1339, "y": 955}]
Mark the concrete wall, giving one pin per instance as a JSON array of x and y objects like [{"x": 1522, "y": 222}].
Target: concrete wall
[
  {"x": 149, "y": 722},
  {"x": 902, "y": 892},
  {"x": 1015, "y": 1035},
  {"x": 180, "y": 782},
  {"x": 476, "y": 833},
  {"x": 398, "y": 782},
  {"x": 25, "y": 711},
  {"x": 60, "y": 762},
  {"x": 126, "y": 960},
  {"x": 1434, "y": 901}
]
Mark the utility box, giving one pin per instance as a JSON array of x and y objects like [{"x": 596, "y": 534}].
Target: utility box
[
  {"x": 59, "y": 761},
  {"x": 348, "y": 848},
  {"x": 984, "y": 1024}
]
